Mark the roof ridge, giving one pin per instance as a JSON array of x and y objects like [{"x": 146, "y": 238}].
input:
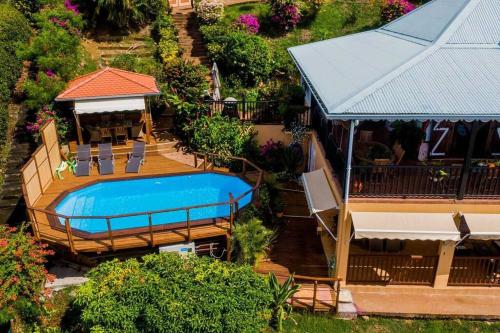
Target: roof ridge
[
  {"x": 95, "y": 75},
  {"x": 421, "y": 56},
  {"x": 115, "y": 71}
]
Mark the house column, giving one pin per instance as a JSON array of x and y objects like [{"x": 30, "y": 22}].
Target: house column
[
  {"x": 344, "y": 227},
  {"x": 147, "y": 115},
  {"x": 446, "y": 252}
]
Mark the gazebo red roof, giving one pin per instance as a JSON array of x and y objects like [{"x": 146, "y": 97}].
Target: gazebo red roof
[{"x": 109, "y": 82}]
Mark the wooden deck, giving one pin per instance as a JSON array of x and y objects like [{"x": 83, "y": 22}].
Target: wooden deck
[{"x": 155, "y": 164}]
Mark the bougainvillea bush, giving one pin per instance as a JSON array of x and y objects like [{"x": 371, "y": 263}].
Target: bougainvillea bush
[
  {"x": 168, "y": 293},
  {"x": 43, "y": 117},
  {"x": 249, "y": 23},
  {"x": 209, "y": 11},
  {"x": 285, "y": 14},
  {"x": 393, "y": 9},
  {"x": 22, "y": 271}
]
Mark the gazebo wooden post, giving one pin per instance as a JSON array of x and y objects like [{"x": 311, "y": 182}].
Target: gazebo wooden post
[
  {"x": 147, "y": 115},
  {"x": 78, "y": 127}
]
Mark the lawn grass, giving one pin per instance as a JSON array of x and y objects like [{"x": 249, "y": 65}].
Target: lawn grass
[
  {"x": 335, "y": 18},
  {"x": 308, "y": 323}
]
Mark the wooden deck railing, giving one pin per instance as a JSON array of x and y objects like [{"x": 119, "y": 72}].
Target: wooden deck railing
[
  {"x": 391, "y": 269},
  {"x": 475, "y": 271},
  {"x": 149, "y": 227},
  {"x": 310, "y": 299},
  {"x": 258, "y": 112}
]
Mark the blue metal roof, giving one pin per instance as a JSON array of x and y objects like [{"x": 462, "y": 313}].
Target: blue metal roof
[{"x": 441, "y": 61}]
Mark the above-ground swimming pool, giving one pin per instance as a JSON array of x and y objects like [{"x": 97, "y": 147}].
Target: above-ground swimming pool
[{"x": 138, "y": 195}]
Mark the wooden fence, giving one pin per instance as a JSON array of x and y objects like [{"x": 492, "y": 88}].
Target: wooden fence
[
  {"x": 39, "y": 172},
  {"x": 392, "y": 269},
  {"x": 475, "y": 271},
  {"x": 316, "y": 293}
]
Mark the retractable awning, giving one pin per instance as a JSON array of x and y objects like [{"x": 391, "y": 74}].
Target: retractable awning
[
  {"x": 409, "y": 226},
  {"x": 318, "y": 192},
  {"x": 110, "y": 105},
  {"x": 483, "y": 226}
]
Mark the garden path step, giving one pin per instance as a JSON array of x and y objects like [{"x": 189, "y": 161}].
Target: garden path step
[{"x": 12, "y": 206}]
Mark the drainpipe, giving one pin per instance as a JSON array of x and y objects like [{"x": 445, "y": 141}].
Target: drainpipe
[{"x": 353, "y": 124}]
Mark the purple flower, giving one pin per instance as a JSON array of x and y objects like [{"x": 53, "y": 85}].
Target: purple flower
[
  {"x": 249, "y": 22},
  {"x": 69, "y": 6},
  {"x": 50, "y": 73}
]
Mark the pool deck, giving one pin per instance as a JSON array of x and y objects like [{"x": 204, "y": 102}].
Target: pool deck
[{"x": 155, "y": 164}]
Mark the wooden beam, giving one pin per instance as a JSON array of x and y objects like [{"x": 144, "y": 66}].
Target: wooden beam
[{"x": 147, "y": 115}]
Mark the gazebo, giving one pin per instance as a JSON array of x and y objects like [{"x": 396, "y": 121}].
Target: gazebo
[{"x": 111, "y": 104}]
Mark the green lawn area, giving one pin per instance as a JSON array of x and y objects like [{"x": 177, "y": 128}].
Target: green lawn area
[
  {"x": 334, "y": 19},
  {"x": 308, "y": 323}
]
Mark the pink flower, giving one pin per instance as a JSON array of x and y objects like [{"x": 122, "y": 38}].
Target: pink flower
[{"x": 69, "y": 6}]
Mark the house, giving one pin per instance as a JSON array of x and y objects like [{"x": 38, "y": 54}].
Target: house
[{"x": 405, "y": 156}]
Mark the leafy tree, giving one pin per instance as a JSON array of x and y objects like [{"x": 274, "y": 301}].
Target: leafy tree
[
  {"x": 169, "y": 293},
  {"x": 252, "y": 240},
  {"x": 127, "y": 13}
]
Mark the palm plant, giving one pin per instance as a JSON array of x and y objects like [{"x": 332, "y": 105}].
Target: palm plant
[
  {"x": 280, "y": 307},
  {"x": 252, "y": 240},
  {"x": 123, "y": 13}
]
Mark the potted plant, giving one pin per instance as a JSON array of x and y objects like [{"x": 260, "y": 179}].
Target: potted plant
[{"x": 279, "y": 207}]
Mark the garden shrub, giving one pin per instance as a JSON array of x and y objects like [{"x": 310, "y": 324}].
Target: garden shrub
[
  {"x": 165, "y": 34},
  {"x": 184, "y": 88},
  {"x": 209, "y": 11},
  {"x": 241, "y": 54},
  {"x": 43, "y": 117},
  {"x": 131, "y": 62},
  {"x": 22, "y": 273},
  {"x": 285, "y": 14},
  {"x": 26, "y": 7},
  {"x": 222, "y": 135},
  {"x": 55, "y": 52},
  {"x": 252, "y": 241},
  {"x": 168, "y": 293},
  {"x": 249, "y": 23},
  {"x": 392, "y": 9}
]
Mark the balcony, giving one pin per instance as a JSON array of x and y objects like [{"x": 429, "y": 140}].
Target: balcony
[{"x": 381, "y": 168}]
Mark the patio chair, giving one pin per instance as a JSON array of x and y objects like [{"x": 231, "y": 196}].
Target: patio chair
[
  {"x": 95, "y": 134},
  {"x": 83, "y": 160},
  {"x": 136, "y": 157},
  {"x": 106, "y": 159},
  {"x": 121, "y": 135},
  {"x": 106, "y": 134}
]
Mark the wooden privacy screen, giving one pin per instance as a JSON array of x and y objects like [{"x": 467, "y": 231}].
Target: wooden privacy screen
[{"x": 38, "y": 173}]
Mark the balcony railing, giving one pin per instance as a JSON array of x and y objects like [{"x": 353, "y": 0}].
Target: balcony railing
[
  {"x": 258, "y": 112},
  {"x": 475, "y": 271},
  {"x": 405, "y": 181},
  {"x": 424, "y": 181}
]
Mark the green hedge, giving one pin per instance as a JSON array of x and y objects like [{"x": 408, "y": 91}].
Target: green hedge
[
  {"x": 167, "y": 293},
  {"x": 14, "y": 30}
]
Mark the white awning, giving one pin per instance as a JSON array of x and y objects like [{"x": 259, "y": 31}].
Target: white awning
[
  {"x": 410, "y": 226},
  {"x": 318, "y": 192},
  {"x": 110, "y": 105},
  {"x": 483, "y": 226}
]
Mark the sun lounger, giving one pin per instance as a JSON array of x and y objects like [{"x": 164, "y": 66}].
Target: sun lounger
[
  {"x": 136, "y": 157},
  {"x": 83, "y": 161},
  {"x": 106, "y": 159}
]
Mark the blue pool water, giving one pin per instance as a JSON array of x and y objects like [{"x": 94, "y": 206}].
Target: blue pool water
[{"x": 151, "y": 194}]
